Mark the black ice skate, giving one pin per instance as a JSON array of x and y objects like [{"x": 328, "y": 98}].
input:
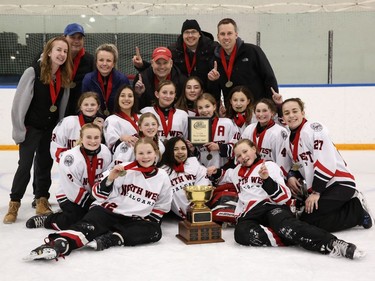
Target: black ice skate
[
  {"x": 367, "y": 217},
  {"x": 340, "y": 248},
  {"x": 36, "y": 221},
  {"x": 52, "y": 249},
  {"x": 106, "y": 241}
]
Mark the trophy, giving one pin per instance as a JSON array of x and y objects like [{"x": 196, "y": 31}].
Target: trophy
[{"x": 198, "y": 227}]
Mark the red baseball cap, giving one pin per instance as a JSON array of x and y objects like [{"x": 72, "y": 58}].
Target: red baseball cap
[{"x": 161, "y": 53}]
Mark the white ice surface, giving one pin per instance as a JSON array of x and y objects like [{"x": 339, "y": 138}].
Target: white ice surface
[{"x": 170, "y": 259}]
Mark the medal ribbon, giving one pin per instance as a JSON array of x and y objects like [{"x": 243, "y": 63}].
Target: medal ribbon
[
  {"x": 136, "y": 167},
  {"x": 76, "y": 62},
  {"x": 179, "y": 168},
  {"x": 81, "y": 120},
  {"x": 129, "y": 119},
  {"x": 107, "y": 93},
  {"x": 189, "y": 66},
  {"x": 214, "y": 126},
  {"x": 295, "y": 141},
  {"x": 228, "y": 68},
  {"x": 157, "y": 81},
  {"x": 166, "y": 128},
  {"x": 262, "y": 134},
  {"x": 239, "y": 119},
  {"x": 245, "y": 172},
  {"x": 54, "y": 92},
  {"x": 91, "y": 166}
]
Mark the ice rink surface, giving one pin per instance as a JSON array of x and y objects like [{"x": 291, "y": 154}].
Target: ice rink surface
[{"x": 170, "y": 259}]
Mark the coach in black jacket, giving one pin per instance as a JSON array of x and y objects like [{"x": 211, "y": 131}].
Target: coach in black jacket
[{"x": 239, "y": 63}]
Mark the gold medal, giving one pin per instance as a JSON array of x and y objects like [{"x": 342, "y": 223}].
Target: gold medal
[
  {"x": 53, "y": 108},
  {"x": 122, "y": 173},
  {"x": 72, "y": 85},
  {"x": 209, "y": 156},
  {"x": 229, "y": 84},
  {"x": 106, "y": 112},
  {"x": 295, "y": 167}
]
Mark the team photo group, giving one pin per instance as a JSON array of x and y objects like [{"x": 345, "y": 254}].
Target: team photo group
[{"x": 125, "y": 148}]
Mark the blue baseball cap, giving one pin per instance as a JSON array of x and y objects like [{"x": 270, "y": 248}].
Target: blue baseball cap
[{"x": 74, "y": 28}]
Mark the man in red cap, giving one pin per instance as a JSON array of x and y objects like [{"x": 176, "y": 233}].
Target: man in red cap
[
  {"x": 191, "y": 53},
  {"x": 161, "y": 68}
]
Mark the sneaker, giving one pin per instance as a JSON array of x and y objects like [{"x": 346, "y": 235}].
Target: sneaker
[
  {"x": 367, "y": 217},
  {"x": 36, "y": 221},
  {"x": 106, "y": 241},
  {"x": 11, "y": 216},
  {"x": 50, "y": 250},
  {"x": 340, "y": 248},
  {"x": 42, "y": 206}
]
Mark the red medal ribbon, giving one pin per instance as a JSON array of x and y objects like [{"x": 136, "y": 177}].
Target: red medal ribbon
[
  {"x": 239, "y": 119},
  {"x": 245, "y": 172},
  {"x": 129, "y": 119},
  {"x": 81, "y": 120},
  {"x": 166, "y": 128},
  {"x": 76, "y": 62},
  {"x": 228, "y": 68},
  {"x": 262, "y": 134},
  {"x": 136, "y": 167},
  {"x": 295, "y": 141},
  {"x": 107, "y": 93},
  {"x": 179, "y": 168},
  {"x": 91, "y": 166},
  {"x": 189, "y": 66},
  {"x": 157, "y": 81},
  {"x": 214, "y": 126},
  {"x": 54, "y": 92}
]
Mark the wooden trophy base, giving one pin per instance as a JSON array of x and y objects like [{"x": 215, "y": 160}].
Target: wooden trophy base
[{"x": 199, "y": 233}]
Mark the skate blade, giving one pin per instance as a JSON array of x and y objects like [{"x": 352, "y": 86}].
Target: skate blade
[{"x": 44, "y": 255}]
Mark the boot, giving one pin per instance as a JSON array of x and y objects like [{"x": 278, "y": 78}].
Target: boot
[
  {"x": 36, "y": 221},
  {"x": 42, "y": 206},
  {"x": 11, "y": 216}
]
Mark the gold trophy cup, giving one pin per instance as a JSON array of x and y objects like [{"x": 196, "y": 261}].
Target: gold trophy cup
[{"x": 198, "y": 227}]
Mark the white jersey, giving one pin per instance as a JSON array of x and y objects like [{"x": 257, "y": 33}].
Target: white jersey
[
  {"x": 272, "y": 143},
  {"x": 78, "y": 175},
  {"x": 225, "y": 133},
  {"x": 194, "y": 174},
  {"x": 114, "y": 127},
  {"x": 136, "y": 194},
  {"x": 125, "y": 153},
  {"x": 179, "y": 126},
  {"x": 65, "y": 135},
  {"x": 251, "y": 189},
  {"x": 320, "y": 164}
]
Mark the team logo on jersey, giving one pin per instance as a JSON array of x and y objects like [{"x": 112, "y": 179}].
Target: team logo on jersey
[
  {"x": 284, "y": 134},
  {"x": 316, "y": 127},
  {"x": 69, "y": 159},
  {"x": 124, "y": 148}
]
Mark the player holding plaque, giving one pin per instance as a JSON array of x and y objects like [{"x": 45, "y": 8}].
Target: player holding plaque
[{"x": 224, "y": 134}]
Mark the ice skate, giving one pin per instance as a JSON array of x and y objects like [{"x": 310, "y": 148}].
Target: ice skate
[
  {"x": 36, "y": 221},
  {"x": 339, "y": 248},
  {"x": 49, "y": 251},
  {"x": 368, "y": 220},
  {"x": 106, "y": 241}
]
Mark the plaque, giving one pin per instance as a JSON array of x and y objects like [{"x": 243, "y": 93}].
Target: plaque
[
  {"x": 199, "y": 129},
  {"x": 198, "y": 227},
  {"x": 53, "y": 108}
]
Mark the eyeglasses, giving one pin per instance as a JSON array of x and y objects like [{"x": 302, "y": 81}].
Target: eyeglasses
[{"x": 190, "y": 32}]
